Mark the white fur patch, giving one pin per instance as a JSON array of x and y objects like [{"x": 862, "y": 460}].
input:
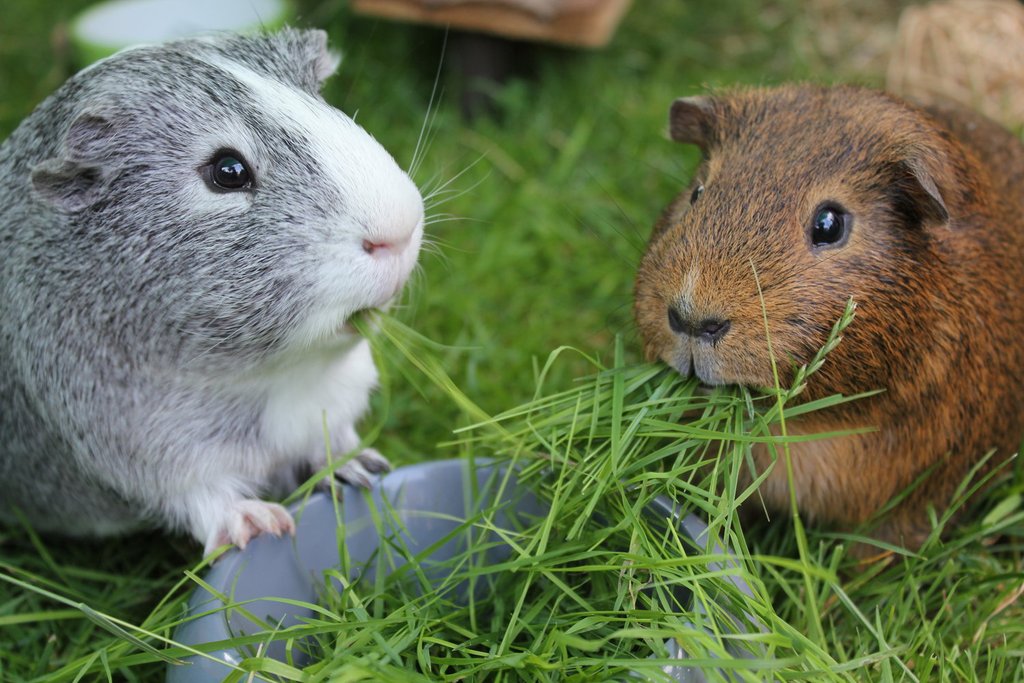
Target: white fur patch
[
  {"x": 322, "y": 385},
  {"x": 689, "y": 286}
]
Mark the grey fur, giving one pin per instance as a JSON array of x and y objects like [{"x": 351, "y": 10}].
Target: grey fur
[{"x": 133, "y": 318}]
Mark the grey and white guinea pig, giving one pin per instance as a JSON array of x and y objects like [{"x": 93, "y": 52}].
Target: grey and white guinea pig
[{"x": 187, "y": 228}]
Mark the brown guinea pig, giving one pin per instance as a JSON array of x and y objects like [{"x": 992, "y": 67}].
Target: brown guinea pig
[{"x": 832, "y": 193}]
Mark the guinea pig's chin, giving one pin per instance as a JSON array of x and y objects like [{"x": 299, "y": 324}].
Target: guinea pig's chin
[{"x": 327, "y": 329}]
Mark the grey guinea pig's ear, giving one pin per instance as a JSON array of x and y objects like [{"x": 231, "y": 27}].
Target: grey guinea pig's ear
[
  {"x": 318, "y": 62},
  {"x": 76, "y": 180},
  {"x": 691, "y": 120}
]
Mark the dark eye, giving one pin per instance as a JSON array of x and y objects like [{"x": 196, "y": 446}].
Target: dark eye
[
  {"x": 830, "y": 225},
  {"x": 697, "y": 192},
  {"x": 228, "y": 171}
]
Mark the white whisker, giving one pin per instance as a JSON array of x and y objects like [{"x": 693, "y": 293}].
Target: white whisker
[
  {"x": 429, "y": 195},
  {"x": 422, "y": 142}
]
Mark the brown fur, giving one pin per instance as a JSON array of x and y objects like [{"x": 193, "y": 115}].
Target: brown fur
[{"x": 934, "y": 260}]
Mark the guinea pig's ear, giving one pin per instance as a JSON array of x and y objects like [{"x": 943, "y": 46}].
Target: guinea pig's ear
[
  {"x": 76, "y": 180},
  {"x": 921, "y": 191},
  {"x": 319, "y": 62},
  {"x": 691, "y": 120}
]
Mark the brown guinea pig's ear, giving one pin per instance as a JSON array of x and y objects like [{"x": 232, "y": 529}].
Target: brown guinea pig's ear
[
  {"x": 922, "y": 190},
  {"x": 691, "y": 121}
]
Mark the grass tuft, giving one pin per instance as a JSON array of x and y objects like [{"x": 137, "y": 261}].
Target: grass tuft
[{"x": 537, "y": 220}]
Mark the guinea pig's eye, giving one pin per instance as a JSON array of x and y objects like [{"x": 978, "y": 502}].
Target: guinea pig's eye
[
  {"x": 227, "y": 171},
  {"x": 695, "y": 195},
  {"x": 830, "y": 225}
]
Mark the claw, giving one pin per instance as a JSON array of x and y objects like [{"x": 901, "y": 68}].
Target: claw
[
  {"x": 361, "y": 469},
  {"x": 249, "y": 518}
]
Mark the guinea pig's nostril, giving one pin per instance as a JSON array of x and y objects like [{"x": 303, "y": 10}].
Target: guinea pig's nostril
[
  {"x": 708, "y": 330},
  {"x": 369, "y": 247},
  {"x": 712, "y": 329},
  {"x": 387, "y": 245},
  {"x": 676, "y": 322}
]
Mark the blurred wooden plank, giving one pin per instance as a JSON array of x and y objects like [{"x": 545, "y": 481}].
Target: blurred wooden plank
[{"x": 584, "y": 25}]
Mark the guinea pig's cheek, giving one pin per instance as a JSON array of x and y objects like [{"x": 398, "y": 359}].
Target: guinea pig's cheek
[
  {"x": 204, "y": 202},
  {"x": 751, "y": 368},
  {"x": 658, "y": 341}
]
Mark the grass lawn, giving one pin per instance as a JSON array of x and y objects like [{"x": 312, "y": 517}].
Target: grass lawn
[{"x": 539, "y": 217}]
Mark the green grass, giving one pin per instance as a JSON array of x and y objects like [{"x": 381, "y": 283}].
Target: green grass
[{"x": 540, "y": 218}]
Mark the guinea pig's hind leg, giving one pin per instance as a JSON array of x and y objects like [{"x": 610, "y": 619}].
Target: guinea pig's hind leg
[{"x": 358, "y": 469}]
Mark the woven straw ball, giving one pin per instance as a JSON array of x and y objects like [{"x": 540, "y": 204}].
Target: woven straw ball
[{"x": 969, "y": 51}]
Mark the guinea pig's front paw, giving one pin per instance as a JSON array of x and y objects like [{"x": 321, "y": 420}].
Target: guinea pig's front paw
[
  {"x": 360, "y": 469},
  {"x": 248, "y": 518}
]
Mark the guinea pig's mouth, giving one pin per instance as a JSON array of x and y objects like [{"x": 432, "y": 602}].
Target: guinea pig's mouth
[
  {"x": 702, "y": 366},
  {"x": 360, "y": 318},
  {"x": 704, "y": 388},
  {"x": 708, "y": 384}
]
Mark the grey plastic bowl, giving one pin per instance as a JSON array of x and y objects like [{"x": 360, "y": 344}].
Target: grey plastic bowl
[{"x": 429, "y": 502}]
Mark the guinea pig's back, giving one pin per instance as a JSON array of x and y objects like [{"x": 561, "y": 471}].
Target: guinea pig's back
[
  {"x": 1000, "y": 152},
  {"x": 989, "y": 263}
]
